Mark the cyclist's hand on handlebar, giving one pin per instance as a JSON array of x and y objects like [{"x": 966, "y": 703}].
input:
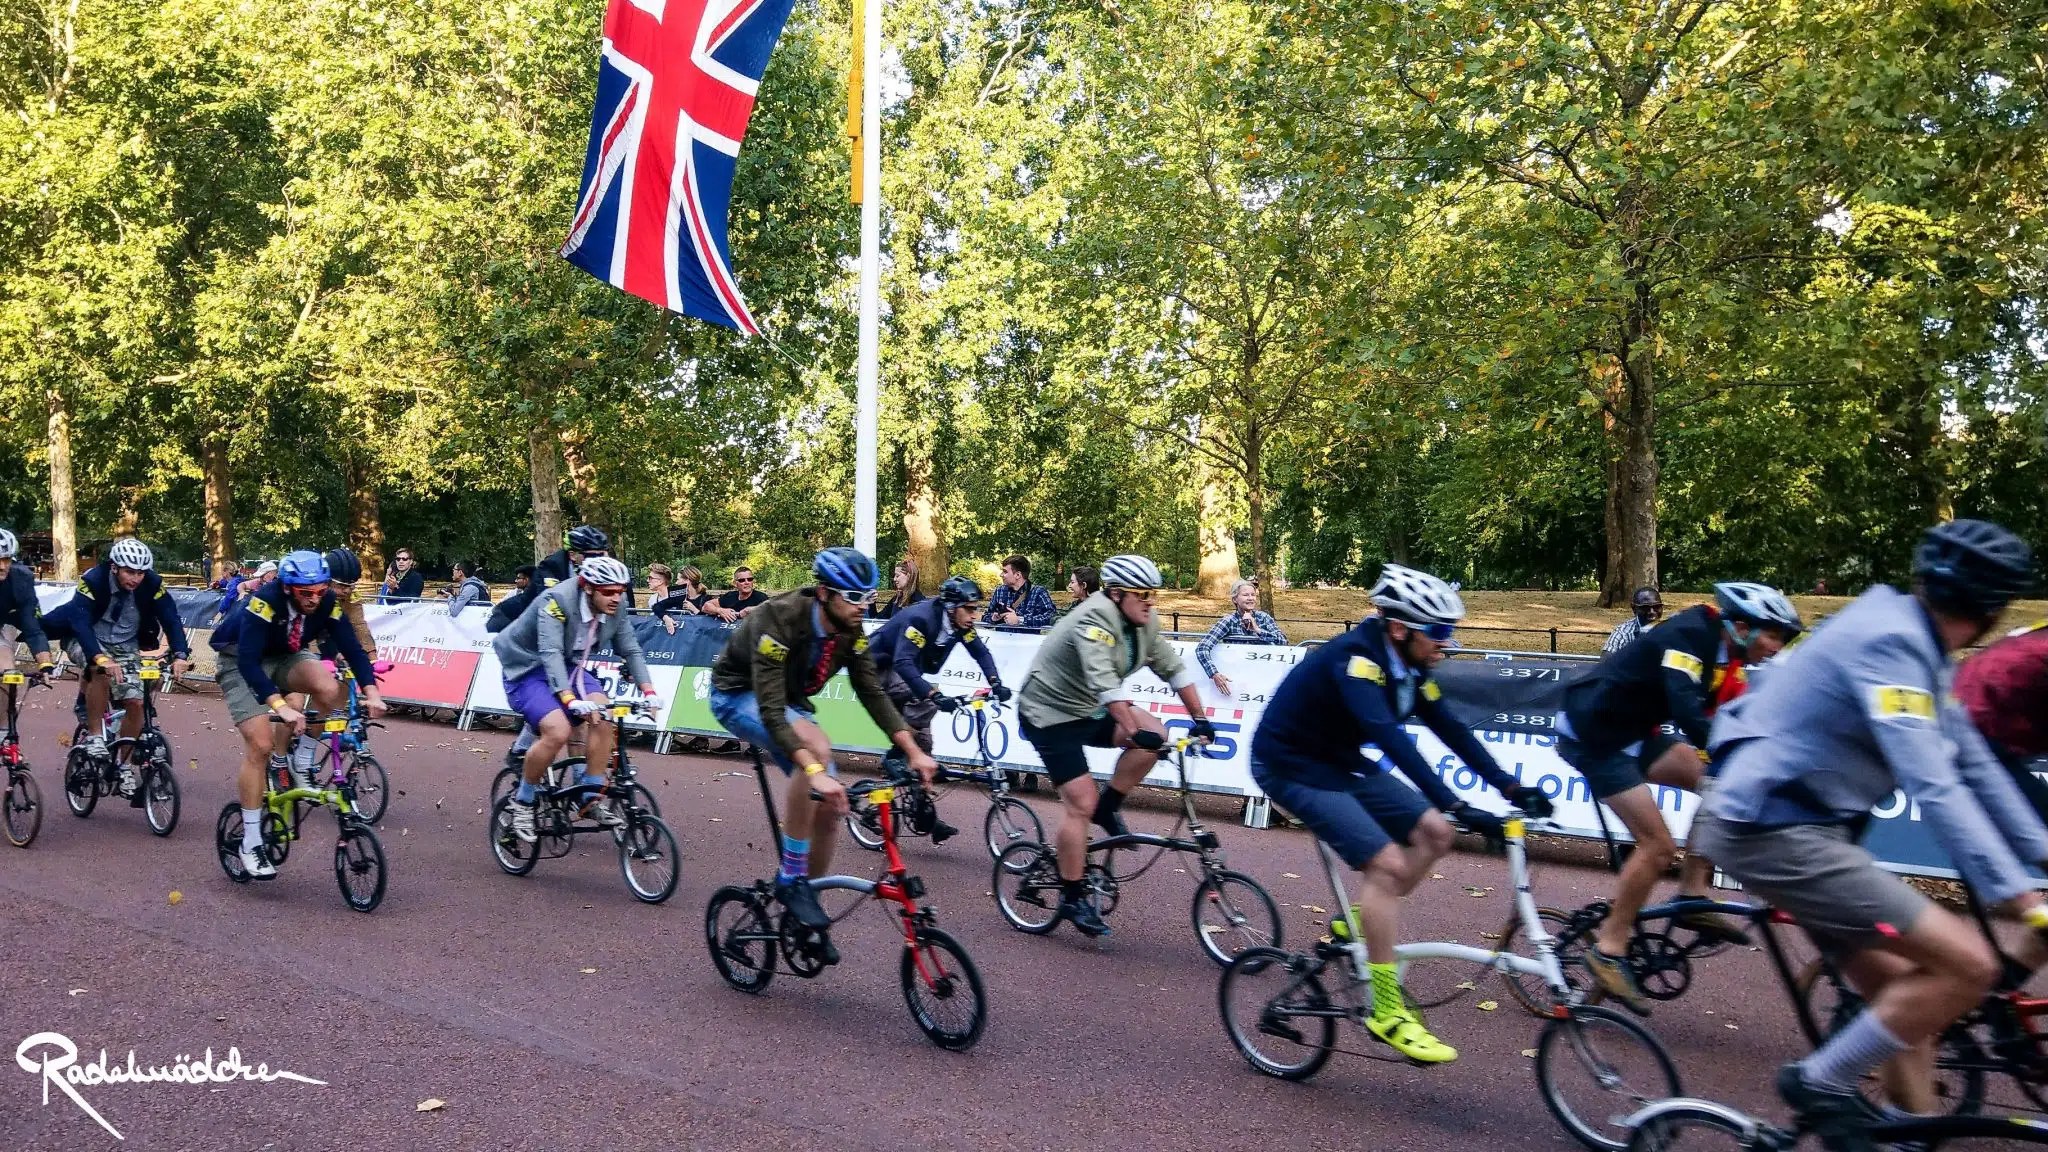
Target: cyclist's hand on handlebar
[
  {"x": 650, "y": 700},
  {"x": 1147, "y": 740},
  {"x": 292, "y": 717},
  {"x": 831, "y": 793},
  {"x": 921, "y": 762},
  {"x": 943, "y": 702},
  {"x": 1001, "y": 692},
  {"x": 1533, "y": 803},
  {"x": 111, "y": 667},
  {"x": 373, "y": 702},
  {"x": 1203, "y": 730},
  {"x": 1484, "y": 824},
  {"x": 43, "y": 673},
  {"x": 179, "y": 666},
  {"x": 580, "y": 708}
]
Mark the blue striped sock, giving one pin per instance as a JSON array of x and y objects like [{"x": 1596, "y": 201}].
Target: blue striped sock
[{"x": 796, "y": 859}]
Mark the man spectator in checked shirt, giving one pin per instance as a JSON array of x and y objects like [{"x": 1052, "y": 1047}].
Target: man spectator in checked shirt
[
  {"x": 744, "y": 598},
  {"x": 1245, "y": 625},
  {"x": 1017, "y": 602},
  {"x": 1648, "y": 608}
]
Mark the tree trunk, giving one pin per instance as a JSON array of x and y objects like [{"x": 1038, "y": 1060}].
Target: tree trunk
[
  {"x": 924, "y": 526},
  {"x": 1255, "y": 515},
  {"x": 365, "y": 518},
  {"x": 590, "y": 507},
  {"x": 220, "y": 503},
  {"x": 1637, "y": 510},
  {"x": 63, "y": 506},
  {"x": 1217, "y": 569},
  {"x": 1614, "y": 588},
  {"x": 126, "y": 520},
  {"x": 544, "y": 477}
]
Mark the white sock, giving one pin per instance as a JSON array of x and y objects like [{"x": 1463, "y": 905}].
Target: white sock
[{"x": 252, "y": 827}]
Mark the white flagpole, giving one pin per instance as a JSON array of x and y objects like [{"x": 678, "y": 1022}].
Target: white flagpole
[{"x": 868, "y": 381}]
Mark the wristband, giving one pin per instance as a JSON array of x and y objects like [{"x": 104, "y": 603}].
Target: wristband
[
  {"x": 813, "y": 768},
  {"x": 566, "y": 697},
  {"x": 275, "y": 703},
  {"x": 102, "y": 660},
  {"x": 2036, "y": 917}
]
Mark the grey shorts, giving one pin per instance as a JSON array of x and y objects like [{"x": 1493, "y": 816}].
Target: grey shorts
[
  {"x": 917, "y": 711},
  {"x": 130, "y": 687},
  {"x": 243, "y": 703},
  {"x": 1817, "y": 875}
]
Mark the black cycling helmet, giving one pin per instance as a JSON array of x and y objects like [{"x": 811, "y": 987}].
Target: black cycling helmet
[
  {"x": 345, "y": 566},
  {"x": 846, "y": 570},
  {"x": 588, "y": 538},
  {"x": 1972, "y": 567},
  {"x": 958, "y": 590}
]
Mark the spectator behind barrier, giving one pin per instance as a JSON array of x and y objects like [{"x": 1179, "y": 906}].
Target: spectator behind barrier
[
  {"x": 1084, "y": 581},
  {"x": 403, "y": 580},
  {"x": 904, "y": 581},
  {"x": 743, "y": 598},
  {"x": 1245, "y": 625},
  {"x": 508, "y": 609},
  {"x": 469, "y": 588},
  {"x": 1017, "y": 602},
  {"x": 1648, "y": 608}
]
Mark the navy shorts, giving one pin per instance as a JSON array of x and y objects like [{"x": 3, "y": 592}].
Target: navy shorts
[
  {"x": 1610, "y": 772},
  {"x": 1372, "y": 810}
]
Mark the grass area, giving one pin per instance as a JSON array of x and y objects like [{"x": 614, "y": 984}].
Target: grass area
[{"x": 1513, "y": 620}]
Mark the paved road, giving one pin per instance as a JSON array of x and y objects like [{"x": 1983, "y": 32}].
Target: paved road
[{"x": 555, "y": 1010}]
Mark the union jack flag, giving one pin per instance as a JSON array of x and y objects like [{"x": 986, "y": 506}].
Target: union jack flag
[{"x": 675, "y": 86}]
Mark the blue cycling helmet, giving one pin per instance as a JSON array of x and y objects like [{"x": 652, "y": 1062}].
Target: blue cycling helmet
[
  {"x": 1972, "y": 567},
  {"x": 303, "y": 567},
  {"x": 846, "y": 570}
]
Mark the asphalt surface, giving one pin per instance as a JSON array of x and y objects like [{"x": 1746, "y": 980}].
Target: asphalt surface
[{"x": 554, "y": 1010}]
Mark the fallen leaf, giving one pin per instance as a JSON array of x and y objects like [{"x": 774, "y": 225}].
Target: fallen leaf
[
  {"x": 1487, "y": 1005},
  {"x": 430, "y": 1106},
  {"x": 1291, "y": 875},
  {"x": 1529, "y": 1052},
  {"x": 1316, "y": 910},
  {"x": 590, "y": 971},
  {"x": 78, "y": 991},
  {"x": 1731, "y": 1027},
  {"x": 1466, "y": 985},
  {"x": 1489, "y": 935},
  {"x": 175, "y": 896},
  {"x": 1436, "y": 875},
  {"x": 220, "y": 1019}
]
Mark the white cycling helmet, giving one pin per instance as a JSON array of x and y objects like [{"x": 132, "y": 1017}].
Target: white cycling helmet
[
  {"x": 1129, "y": 571},
  {"x": 1757, "y": 604},
  {"x": 128, "y": 552},
  {"x": 1416, "y": 598},
  {"x": 9, "y": 546},
  {"x": 604, "y": 570}
]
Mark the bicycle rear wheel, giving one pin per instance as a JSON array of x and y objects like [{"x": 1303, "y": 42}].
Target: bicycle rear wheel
[
  {"x": 741, "y": 939},
  {"x": 371, "y": 784},
  {"x": 503, "y": 785},
  {"x": 1277, "y": 1013},
  {"x": 1596, "y": 1067},
  {"x": 1689, "y": 1128},
  {"x": 1027, "y": 888},
  {"x": 227, "y": 842},
  {"x": 1010, "y": 821},
  {"x": 23, "y": 808},
  {"x": 650, "y": 859},
  {"x": 517, "y": 857},
  {"x": 160, "y": 798},
  {"x": 943, "y": 989},
  {"x": 1529, "y": 990},
  {"x": 359, "y": 866},
  {"x": 1233, "y": 914},
  {"x": 864, "y": 823}
]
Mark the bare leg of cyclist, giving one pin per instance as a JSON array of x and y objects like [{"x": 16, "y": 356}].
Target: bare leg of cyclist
[
  {"x": 1908, "y": 1078},
  {"x": 1391, "y": 874},
  {"x": 598, "y": 738},
  {"x": 1654, "y": 852},
  {"x": 550, "y": 739},
  {"x": 802, "y": 821},
  {"x": 97, "y": 689},
  {"x": 1077, "y": 808}
]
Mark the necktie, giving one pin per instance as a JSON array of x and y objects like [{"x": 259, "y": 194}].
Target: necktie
[
  {"x": 1404, "y": 696},
  {"x": 295, "y": 632},
  {"x": 822, "y": 670}
]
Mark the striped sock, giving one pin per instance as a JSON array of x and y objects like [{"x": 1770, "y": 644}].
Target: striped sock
[
  {"x": 1387, "y": 999},
  {"x": 1841, "y": 1063},
  {"x": 796, "y": 859}
]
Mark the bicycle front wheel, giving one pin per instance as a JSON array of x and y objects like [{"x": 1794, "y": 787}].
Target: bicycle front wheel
[
  {"x": 1528, "y": 989},
  {"x": 650, "y": 859},
  {"x": 517, "y": 857},
  {"x": 160, "y": 798},
  {"x": 943, "y": 989},
  {"x": 359, "y": 866},
  {"x": 371, "y": 784},
  {"x": 1232, "y": 914},
  {"x": 1594, "y": 1068},
  {"x": 81, "y": 783},
  {"x": 1010, "y": 821},
  {"x": 864, "y": 824},
  {"x": 24, "y": 808},
  {"x": 227, "y": 842},
  {"x": 741, "y": 939},
  {"x": 1277, "y": 1013},
  {"x": 1689, "y": 1128}
]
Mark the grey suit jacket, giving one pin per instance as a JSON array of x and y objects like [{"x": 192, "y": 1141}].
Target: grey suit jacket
[{"x": 544, "y": 634}]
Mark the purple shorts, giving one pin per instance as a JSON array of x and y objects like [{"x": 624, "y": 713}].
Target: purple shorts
[{"x": 531, "y": 697}]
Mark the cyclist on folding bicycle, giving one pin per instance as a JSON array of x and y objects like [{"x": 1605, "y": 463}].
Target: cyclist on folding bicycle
[
  {"x": 1862, "y": 708},
  {"x": 914, "y": 644},
  {"x": 1359, "y": 689}
]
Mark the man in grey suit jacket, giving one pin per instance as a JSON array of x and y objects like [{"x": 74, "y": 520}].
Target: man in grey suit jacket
[{"x": 545, "y": 655}]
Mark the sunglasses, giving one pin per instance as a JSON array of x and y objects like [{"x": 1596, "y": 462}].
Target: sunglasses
[
  {"x": 857, "y": 599},
  {"x": 1145, "y": 594},
  {"x": 743, "y": 579},
  {"x": 1438, "y": 632}
]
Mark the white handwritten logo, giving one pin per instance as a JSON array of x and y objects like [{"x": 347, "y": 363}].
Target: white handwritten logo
[{"x": 52, "y": 1058}]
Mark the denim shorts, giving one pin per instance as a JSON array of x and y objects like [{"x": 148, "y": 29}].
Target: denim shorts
[
  {"x": 740, "y": 713},
  {"x": 1372, "y": 811}
]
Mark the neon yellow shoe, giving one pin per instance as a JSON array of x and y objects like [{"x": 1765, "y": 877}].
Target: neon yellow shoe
[
  {"x": 1340, "y": 928},
  {"x": 1405, "y": 1033}
]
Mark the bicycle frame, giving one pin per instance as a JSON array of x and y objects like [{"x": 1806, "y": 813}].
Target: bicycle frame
[
  {"x": 896, "y": 884},
  {"x": 338, "y": 795},
  {"x": 10, "y": 752},
  {"x": 1201, "y": 842},
  {"x": 1545, "y": 965},
  {"x": 149, "y": 672}
]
